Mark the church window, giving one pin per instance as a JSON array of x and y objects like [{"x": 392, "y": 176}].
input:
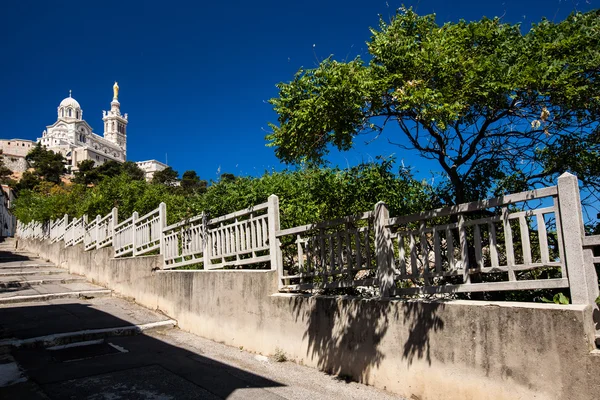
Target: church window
[
  {"x": 70, "y": 112},
  {"x": 62, "y": 112}
]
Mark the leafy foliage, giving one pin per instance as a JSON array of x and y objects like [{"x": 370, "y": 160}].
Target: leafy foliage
[
  {"x": 48, "y": 165},
  {"x": 88, "y": 173},
  {"x": 191, "y": 183},
  {"x": 167, "y": 176},
  {"x": 306, "y": 196},
  {"x": 497, "y": 109}
]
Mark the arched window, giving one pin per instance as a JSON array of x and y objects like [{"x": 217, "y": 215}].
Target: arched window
[
  {"x": 77, "y": 114},
  {"x": 62, "y": 112},
  {"x": 70, "y": 112}
]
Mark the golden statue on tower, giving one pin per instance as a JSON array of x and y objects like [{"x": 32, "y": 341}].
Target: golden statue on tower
[{"x": 116, "y": 90}]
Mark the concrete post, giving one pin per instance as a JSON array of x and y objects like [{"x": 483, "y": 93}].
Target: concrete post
[
  {"x": 274, "y": 250},
  {"x": 162, "y": 218},
  {"x": 134, "y": 218},
  {"x": 115, "y": 220},
  {"x": 97, "y": 230},
  {"x": 581, "y": 272},
  {"x": 384, "y": 250},
  {"x": 64, "y": 226},
  {"x": 205, "y": 242}
]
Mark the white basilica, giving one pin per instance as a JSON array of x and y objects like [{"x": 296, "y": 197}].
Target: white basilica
[{"x": 71, "y": 136}]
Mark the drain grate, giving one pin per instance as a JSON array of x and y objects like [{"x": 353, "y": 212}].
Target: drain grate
[{"x": 83, "y": 350}]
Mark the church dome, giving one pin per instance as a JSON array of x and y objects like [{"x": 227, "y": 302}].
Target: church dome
[
  {"x": 69, "y": 101},
  {"x": 70, "y": 108}
]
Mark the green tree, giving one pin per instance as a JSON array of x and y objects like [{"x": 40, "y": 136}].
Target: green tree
[
  {"x": 28, "y": 181},
  {"x": 191, "y": 182},
  {"x": 498, "y": 109},
  {"x": 87, "y": 173},
  {"x": 132, "y": 170},
  {"x": 109, "y": 169},
  {"x": 47, "y": 165},
  {"x": 167, "y": 177}
]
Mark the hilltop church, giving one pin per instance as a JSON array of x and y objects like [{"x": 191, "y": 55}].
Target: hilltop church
[{"x": 71, "y": 136}]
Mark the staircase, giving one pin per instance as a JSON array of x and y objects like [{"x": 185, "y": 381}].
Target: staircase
[{"x": 53, "y": 317}]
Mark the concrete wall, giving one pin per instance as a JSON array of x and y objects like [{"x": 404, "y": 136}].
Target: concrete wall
[{"x": 421, "y": 350}]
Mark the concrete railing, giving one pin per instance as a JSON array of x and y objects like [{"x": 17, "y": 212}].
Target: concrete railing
[{"x": 505, "y": 243}]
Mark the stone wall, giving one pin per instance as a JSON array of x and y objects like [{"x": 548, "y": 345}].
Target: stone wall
[
  {"x": 15, "y": 163},
  {"x": 420, "y": 350}
]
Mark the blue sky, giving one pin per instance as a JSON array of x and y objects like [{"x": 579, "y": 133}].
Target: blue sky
[{"x": 195, "y": 76}]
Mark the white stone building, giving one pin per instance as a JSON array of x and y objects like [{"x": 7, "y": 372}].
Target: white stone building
[
  {"x": 71, "y": 136},
  {"x": 151, "y": 167}
]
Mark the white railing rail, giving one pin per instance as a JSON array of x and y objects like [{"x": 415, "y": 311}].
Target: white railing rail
[
  {"x": 148, "y": 230},
  {"x": 242, "y": 238},
  {"x": 492, "y": 237},
  {"x": 331, "y": 254},
  {"x": 184, "y": 242},
  {"x": 69, "y": 235},
  {"x": 105, "y": 229},
  {"x": 91, "y": 234},
  {"x": 123, "y": 236}
]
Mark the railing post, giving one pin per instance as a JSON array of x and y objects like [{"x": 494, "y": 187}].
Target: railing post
[
  {"x": 134, "y": 218},
  {"x": 383, "y": 249},
  {"x": 583, "y": 281},
  {"x": 97, "y": 230},
  {"x": 162, "y": 222},
  {"x": 64, "y": 226},
  {"x": 205, "y": 241},
  {"x": 274, "y": 250},
  {"x": 114, "y": 222}
]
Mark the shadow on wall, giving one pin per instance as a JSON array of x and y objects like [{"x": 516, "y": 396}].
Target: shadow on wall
[
  {"x": 421, "y": 318},
  {"x": 344, "y": 333}
]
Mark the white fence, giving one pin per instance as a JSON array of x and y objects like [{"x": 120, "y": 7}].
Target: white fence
[
  {"x": 529, "y": 240},
  {"x": 233, "y": 240}
]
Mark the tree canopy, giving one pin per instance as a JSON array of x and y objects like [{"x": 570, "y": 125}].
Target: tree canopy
[
  {"x": 88, "y": 173},
  {"x": 167, "y": 177},
  {"x": 48, "y": 165},
  {"x": 191, "y": 182},
  {"x": 498, "y": 109}
]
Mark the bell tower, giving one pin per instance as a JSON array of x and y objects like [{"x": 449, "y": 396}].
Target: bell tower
[{"x": 115, "y": 124}]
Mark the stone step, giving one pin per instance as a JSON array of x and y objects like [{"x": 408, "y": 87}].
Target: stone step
[
  {"x": 65, "y": 338},
  {"x": 85, "y": 294},
  {"x": 31, "y": 272},
  {"x": 36, "y": 280}
]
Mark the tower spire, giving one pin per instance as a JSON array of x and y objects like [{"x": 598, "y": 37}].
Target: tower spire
[{"x": 70, "y": 93}]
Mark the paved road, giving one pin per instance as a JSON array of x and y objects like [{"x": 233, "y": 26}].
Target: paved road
[{"x": 64, "y": 338}]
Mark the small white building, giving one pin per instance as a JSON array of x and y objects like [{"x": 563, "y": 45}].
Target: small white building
[{"x": 150, "y": 167}]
